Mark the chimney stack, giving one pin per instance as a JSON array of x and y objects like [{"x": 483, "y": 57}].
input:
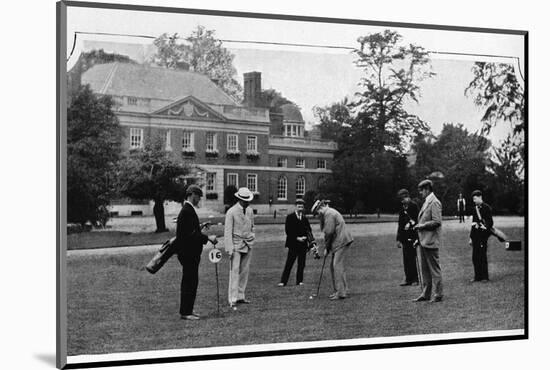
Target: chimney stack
[{"x": 252, "y": 88}]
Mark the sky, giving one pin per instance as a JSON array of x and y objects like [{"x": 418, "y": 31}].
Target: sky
[{"x": 316, "y": 76}]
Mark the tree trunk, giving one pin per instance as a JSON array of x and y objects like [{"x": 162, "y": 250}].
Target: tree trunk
[{"x": 158, "y": 211}]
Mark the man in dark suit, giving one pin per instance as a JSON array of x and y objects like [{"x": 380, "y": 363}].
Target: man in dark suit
[
  {"x": 190, "y": 240},
  {"x": 482, "y": 222},
  {"x": 407, "y": 236},
  {"x": 297, "y": 228},
  {"x": 429, "y": 238}
]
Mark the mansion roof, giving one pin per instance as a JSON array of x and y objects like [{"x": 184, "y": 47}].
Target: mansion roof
[{"x": 123, "y": 79}]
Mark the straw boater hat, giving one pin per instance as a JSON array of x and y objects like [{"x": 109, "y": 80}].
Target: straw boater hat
[
  {"x": 318, "y": 204},
  {"x": 244, "y": 194}
]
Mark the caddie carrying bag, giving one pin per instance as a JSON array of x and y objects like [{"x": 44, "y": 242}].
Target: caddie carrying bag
[{"x": 164, "y": 253}]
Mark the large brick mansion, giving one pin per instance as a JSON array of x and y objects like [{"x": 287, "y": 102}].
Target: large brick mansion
[{"x": 233, "y": 144}]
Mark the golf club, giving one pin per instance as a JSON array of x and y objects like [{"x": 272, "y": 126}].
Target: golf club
[
  {"x": 320, "y": 278},
  {"x": 419, "y": 272}
]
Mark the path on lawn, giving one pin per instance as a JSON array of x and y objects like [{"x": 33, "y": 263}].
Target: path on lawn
[{"x": 273, "y": 233}]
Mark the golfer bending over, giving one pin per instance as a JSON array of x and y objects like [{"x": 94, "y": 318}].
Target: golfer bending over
[{"x": 337, "y": 241}]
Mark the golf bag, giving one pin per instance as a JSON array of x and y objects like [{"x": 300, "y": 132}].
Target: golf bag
[{"x": 166, "y": 251}]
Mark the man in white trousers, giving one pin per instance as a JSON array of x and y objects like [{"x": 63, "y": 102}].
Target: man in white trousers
[{"x": 239, "y": 239}]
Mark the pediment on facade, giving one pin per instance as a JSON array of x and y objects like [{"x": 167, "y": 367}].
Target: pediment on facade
[{"x": 190, "y": 108}]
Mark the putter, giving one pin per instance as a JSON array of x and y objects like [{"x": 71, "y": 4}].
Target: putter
[
  {"x": 320, "y": 278},
  {"x": 217, "y": 289}
]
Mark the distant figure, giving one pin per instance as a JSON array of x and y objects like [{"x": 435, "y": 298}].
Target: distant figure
[
  {"x": 190, "y": 240},
  {"x": 482, "y": 222},
  {"x": 407, "y": 236},
  {"x": 239, "y": 239},
  {"x": 429, "y": 234},
  {"x": 337, "y": 242},
  {"x": 297, "y": 228},
  {"x": 461, "y": 207}
]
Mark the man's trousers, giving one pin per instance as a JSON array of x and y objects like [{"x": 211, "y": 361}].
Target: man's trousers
[
  {"x": 479, "y": 258},
  {"x": 189, "y": 282},
  {"x": 238, "y": 275},
  {"x": 409, "y": 262},
  {"x": 338, "y": 271},
  {"x": 431, "y": 272},
  {"x": 293, "y": 254}
]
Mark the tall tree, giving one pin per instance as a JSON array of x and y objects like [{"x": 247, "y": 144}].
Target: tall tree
[
  {"x": 463, "y": 158},
  {"x": 201, "y": 52},
  {"x": 496, "y": 88},
  {"x": 392, "y": 73},
  {"x": 93, "y": 149},
  {"x": 155, "y": 174}
]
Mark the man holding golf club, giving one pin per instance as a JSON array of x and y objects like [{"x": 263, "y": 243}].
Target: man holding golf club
[
  {"x": 239, "y": 239},
  {"x": 337, "y": 241},
  {"x": 482, "y": 222},
  {"x": 189, "y": 241},
  {"x": 296, "y": 228},
  {"x": 407, "y": 236},
  {"x": 429, "y": 235}
]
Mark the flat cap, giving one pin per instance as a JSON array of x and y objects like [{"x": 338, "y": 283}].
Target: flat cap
[
  {"x": 300, "y": 201},
  {"x": 426, "y": 184},
  {"x": 477, "y": 193},
  {"x": 403, "y": 193},
  {"x": 194, "y": 189}
]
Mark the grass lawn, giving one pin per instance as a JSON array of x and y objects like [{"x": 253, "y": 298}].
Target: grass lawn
[{"x": 116, "y": 306}]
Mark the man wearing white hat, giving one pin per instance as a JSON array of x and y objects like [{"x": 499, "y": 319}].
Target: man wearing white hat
[
  {"x": 337, "y": 241},
  {"x": 239, "y": 239}
]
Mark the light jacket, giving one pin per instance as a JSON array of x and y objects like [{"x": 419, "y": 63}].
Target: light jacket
[
  {"x": 430, "y": 217},
  {"x": 334, "y": 228},
  {"x": 239, "y": 229}
]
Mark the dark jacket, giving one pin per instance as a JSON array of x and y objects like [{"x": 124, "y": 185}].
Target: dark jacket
[
  {"x": 407, "y": 217},
  {"x": 189, "y": 238},
  {"x": 295, "y": 228},
  {"x": 486, "y": 220}
]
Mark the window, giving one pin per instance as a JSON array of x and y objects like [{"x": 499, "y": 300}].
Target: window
[
  {"x": 187, "y": 141},
  {"x": 132, "y": 100},
  {"x": 300, "y": 163},
  {"x": 281, "y": 162},
  {"x": 136, "y": 138},
  {"x": 232, "y": 143},
  {"x": 168, "y": 140},
  {"x": 252, "y": 182},
  {"x": 233, "y": 179},
  {"x": 210, "y": 141},
  {"x": 210, "y": 181},
  {"x": 252, "y": 144},
  {"x": 281, "y": 188},
  {"x": 322, "y": 163},
  {"x": 300, "y": 187},
  {"x": 294, "y": 131}
]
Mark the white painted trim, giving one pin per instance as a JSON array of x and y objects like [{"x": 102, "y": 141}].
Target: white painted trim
[
  {"x": 295, "y": 153},
  {"x": 264, "y": 168},
  {"x": 199, "y": 126}
]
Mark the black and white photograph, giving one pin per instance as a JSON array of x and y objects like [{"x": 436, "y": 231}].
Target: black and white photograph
[{"x": 253, "y": 184}]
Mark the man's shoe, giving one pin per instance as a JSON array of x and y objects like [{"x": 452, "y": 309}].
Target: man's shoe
[
  {"x": 336, "y": 297},
  {"x": 420, "y": 299},
  {"x": 281, "y": 284},
  {"x": 335, "y": 294},
  {"x": 485, "y": 280},
  {"x": 405, "y": 283},
  {"x": 474, "y": 280},
  {"x": 233, "y": 306},
  {"x": 245, "y": 301},
  {"x": 436, "y": 299},
  {"x": 300, "y": 284},
  {"x": 414, "y": 283},
  {"x": 190, "y": 317}
]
